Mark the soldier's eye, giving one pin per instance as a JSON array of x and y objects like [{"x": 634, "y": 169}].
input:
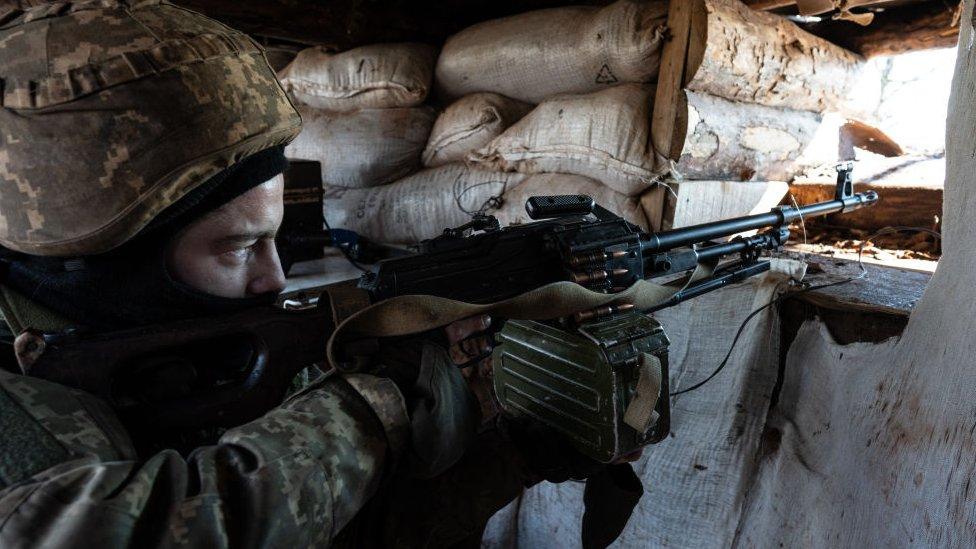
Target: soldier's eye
[{"x": 238, "y": 255}]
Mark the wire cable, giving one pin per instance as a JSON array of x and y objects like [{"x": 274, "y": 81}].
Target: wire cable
[
  {"x": 344, "y": 251},
  {"x": 803, "y": 223},
  {"x": 785, "y": 296}
]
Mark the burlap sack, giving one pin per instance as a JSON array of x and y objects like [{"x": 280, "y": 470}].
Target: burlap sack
[
  {"x": 378, "y": 76},
  {"x": 363, "y": 148},
  {"x": 512, "y": 210},
  {"x": 603, "y": 135},
  {"x": 534, "y": 55},
  {"x": 420, "y": 206},
  {"x": 468, "y": 124}
]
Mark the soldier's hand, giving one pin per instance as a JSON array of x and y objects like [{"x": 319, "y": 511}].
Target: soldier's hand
[{"x": 470, "y": 348}]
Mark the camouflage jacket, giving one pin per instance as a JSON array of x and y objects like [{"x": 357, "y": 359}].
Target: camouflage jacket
[
  {"x": 294, "y": 478},
  {"x": 69, "y": 474}
]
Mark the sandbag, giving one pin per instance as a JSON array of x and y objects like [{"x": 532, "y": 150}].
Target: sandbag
[
  {"x": 512, "y": 210},
  {"x": 420, "y": 206},
  {"x": 603, "y": 135},
  {"x": 534, "y": 55},
  {"x": 363, "y": 148},
  {"x": 468, "y": 124},
  {"x": 378, "y": 76}
]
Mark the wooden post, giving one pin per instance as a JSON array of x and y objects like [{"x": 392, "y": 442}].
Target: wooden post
[{"x": 669, "y": 119}]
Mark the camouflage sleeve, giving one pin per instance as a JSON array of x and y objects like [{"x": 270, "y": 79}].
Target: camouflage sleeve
[{"x": 293, "y": 478}]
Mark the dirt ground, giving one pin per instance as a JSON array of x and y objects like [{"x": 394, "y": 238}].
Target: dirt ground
[{"x": 828, "y": 240}]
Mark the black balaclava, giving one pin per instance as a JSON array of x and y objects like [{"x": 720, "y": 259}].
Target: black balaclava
[{"x": 131, "y": 285}]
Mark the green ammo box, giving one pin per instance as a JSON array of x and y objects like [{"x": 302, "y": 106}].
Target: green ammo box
[{"x": 579, "y": 381}]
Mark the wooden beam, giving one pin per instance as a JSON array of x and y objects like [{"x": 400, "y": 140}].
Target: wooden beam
[
  {"x": 863, "y": 310},
  {"x": 810, "y": 7},
  {"x": 765, "y": 5},
  {"x": 920, "y": 26},
  {"x": 345, "y": 24},
  {"x": 669, "y": 121},
  {"x": 888, "y": 290}
]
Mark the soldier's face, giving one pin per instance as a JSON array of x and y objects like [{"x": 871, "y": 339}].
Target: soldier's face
[{"x": 230, "y": 252}]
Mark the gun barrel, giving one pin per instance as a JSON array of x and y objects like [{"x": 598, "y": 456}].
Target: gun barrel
[{"x": 777, "y": 217}]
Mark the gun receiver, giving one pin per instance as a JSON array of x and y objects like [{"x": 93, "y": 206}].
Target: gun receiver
[
  {"x": 579, "y": 378},
  {"x": 584, "y": 243}
]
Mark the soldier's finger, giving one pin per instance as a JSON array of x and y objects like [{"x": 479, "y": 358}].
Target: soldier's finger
[
  {"x": 475, "y": 345},
  {"x": 461, "y": 329},
  {"x": 457, "y": 354}
]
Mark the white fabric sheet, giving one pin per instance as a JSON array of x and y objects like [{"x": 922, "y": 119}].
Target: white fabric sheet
[{"x": 869, "y": 445}]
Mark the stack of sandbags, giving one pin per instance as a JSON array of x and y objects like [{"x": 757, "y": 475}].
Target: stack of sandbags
[
  {"x": 594, "y": 144},
  {"x": 362, "y": 110},
  {"x": 587, "y": 67},
  {"x": 587, "y": 71}
]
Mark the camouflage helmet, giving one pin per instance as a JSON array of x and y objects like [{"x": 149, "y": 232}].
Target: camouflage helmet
[{"x": 111, "y": 110}]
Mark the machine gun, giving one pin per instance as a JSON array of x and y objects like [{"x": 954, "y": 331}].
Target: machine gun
[{"x": 580, "y": 377}]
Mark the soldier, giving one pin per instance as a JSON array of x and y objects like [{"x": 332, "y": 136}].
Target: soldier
[{"x": 140, "y": 159}]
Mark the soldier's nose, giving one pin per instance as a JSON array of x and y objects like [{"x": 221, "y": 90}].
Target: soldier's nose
[
  {"x": 269, "y": 277},
  {"x": 265, "y": 284}
]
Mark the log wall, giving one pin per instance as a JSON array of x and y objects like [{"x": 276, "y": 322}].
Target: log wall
[{"x": 742, "y": 141}]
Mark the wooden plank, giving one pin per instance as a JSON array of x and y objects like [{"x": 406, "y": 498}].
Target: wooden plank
[
  {"x": 694, "y": 202},
  {"x": 653, "y": 203},
  {"x": 697, "y": 41},
  {"x": 863, "y": 310},
  {"x": 886, "y": 290},
  {"x": 670, "y": 115}
]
